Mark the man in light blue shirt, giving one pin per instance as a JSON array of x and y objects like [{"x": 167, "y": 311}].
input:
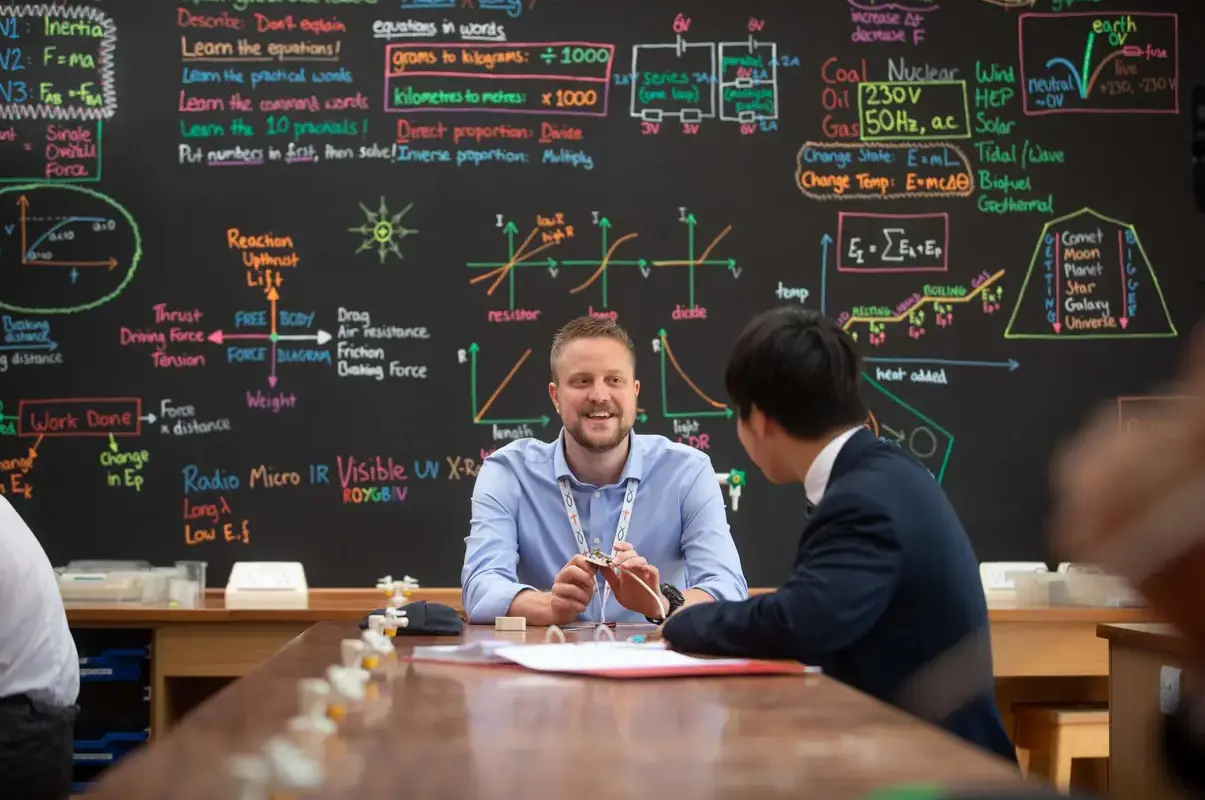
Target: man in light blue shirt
[{"x": 540, "y": 509}]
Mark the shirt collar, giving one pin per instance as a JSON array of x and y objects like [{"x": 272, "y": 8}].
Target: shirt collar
[
  {"x": 632, "y": 468},
  {"x": 816, "y": 481}
]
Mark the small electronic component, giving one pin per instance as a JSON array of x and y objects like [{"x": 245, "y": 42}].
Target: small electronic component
[{"x": 597, "y": 558}]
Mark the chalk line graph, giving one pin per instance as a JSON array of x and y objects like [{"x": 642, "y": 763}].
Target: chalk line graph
[
  {"x": 714, "y": 408},
  {"x": 554, "y": 232}
]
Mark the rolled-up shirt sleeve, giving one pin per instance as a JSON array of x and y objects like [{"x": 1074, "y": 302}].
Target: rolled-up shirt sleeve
[
  {"x": 712, "y": 562},
  {"x": 489, "y": 579}
]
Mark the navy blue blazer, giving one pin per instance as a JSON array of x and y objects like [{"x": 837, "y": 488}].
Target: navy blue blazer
[{"x": 884, "y": 596}]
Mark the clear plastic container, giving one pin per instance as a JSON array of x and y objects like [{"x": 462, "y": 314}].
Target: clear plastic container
[
  {"x": 102, "y": 581},
  {"x": 1075, "y": 589},
  {"x": 186, "y": 589}
]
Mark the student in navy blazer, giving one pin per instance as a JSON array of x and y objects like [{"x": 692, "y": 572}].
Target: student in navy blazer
[{"x": 885, "y": 593}]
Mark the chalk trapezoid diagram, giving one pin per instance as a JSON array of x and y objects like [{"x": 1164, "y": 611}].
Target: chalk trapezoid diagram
[
  {"x": 918, "y": 435},
  {"x": 67, "y": 258},
  {"x": 1090, "y": 278}
]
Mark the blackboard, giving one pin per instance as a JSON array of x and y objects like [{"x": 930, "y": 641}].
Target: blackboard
[{"x": 276, "y": 276}]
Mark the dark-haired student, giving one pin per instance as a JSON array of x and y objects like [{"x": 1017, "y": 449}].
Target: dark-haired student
[{"x": 885, "y": 593}]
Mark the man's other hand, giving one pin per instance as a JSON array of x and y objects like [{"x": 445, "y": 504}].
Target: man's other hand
[
  {"x": 572, "y": 590},
  {"x": 627, "y": 590}
]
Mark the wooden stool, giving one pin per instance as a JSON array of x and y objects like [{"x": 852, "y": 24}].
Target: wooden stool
[{"x": 1057, "y": 735}]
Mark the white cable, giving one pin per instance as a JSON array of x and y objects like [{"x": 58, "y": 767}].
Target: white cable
[
  {"x": 603, "y": 632},
  {"x": 664, "y": 607}
]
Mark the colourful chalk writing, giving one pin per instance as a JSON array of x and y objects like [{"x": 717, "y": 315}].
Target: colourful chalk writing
[
  {"x": 880, "y": 22},
  {"x": 512, "y": 8},
  {"x": 898, "y": 111},
  {"x": 360, "y": 351},
  {"x": 481, "y": 405},
  {"x": 267, "y": 335},
  {"x": 895, "y": 420},
  {"x": 691, "y": 81},
  {"x": 1090, "y": 278},
  {"x": 921, "y": 312},
  {"x": 893, "y": 242},
  {"x": 555, "y": 230},
  {"x": 1106, "y": 62},
  {"x": 177, "y": 419},
  {"x": 229, "y": 60},
  {"x": 123, "y": 468},
  {"x": 58, "y": 63},
  {"x": 549, "y": 78},
  {"x": 210, "y": 519},
  {"x": 705, "y": 407},
  {"x": 74, "y": 248},
  {"x": 882, "y": 171},
  {"x": 80, "y": 416},
  {"x": 1004, "y": 186},
  {"x": 839, "y": 103},
  {"x": 173, "y": 337},
  {"x": 53, "y": 151},
  {"x": 371, "y": 480}
]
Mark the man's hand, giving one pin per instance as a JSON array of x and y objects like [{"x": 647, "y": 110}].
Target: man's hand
[
  {"x": 627, "y": 590},
  {"x": 572, "y": 590}
]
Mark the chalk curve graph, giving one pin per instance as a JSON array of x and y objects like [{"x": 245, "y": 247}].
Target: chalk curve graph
[{"x": 128, "y": 265}]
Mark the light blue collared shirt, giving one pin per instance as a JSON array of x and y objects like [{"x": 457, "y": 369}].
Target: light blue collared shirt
[{"x": 521, "y": 537}]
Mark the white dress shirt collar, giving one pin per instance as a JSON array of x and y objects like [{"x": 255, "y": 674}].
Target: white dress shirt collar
[{"x": 816, "y": 480}]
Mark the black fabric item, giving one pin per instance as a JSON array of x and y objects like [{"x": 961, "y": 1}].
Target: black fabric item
[
  {"x": 426, "y": 619},
  {"x": 1183, "y": 747},
  {"x": 36, "y": 750}
]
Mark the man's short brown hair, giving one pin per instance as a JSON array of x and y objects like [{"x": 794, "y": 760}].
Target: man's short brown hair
[{"x": 588, "y": 328}]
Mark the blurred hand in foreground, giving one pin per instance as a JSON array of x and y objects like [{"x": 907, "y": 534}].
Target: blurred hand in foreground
[{"x": 1132, "y": 500}]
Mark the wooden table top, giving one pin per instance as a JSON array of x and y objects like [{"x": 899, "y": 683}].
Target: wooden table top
[
  {"x": 1162, "y": 639},
  {"x": 469, "y": 731},
  {"x": 350, "y": 605}
]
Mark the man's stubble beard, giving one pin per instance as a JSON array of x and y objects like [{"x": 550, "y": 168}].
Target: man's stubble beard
[{"x": 579, "y": 435}]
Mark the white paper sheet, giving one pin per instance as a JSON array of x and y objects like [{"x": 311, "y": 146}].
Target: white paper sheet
[
  {"x": 483, "y": 652},
  {"x": 600, "y": 656}
]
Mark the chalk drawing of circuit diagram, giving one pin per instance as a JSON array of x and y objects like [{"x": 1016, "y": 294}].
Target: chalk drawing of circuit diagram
[{"x": 679, "y": 80}]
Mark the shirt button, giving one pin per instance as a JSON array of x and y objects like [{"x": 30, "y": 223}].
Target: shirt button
[
  {"x": 596, "y": 494},
  {"x": 596, "y": 540}
]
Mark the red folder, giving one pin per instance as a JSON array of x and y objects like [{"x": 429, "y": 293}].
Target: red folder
[
  {"x": 624, "y": 660},
  {"x": 748, "y": 667}
]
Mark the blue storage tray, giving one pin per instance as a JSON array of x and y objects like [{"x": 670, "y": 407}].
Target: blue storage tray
[{"x": 119, "y": 664}]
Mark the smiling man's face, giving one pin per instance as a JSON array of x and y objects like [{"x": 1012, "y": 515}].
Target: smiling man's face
[{"x": 595, "y": 392}]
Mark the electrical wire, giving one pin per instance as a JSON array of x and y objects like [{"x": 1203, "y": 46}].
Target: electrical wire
[{"x": 662, "y": 603}]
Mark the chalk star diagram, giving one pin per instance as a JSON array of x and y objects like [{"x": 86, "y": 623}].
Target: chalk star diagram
[{"x": 384, "y": 230}]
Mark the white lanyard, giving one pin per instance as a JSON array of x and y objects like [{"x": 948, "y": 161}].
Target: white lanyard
[{"x": 621, "y": 527}]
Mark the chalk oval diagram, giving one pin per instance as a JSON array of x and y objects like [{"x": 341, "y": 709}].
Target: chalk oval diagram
[{"x": 64, "y": 249}]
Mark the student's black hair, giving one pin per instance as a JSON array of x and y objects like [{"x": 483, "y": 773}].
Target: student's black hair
[{"x": 800, "y": 369}]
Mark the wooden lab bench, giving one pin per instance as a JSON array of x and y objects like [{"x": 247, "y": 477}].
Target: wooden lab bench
[
  {"x": 1145, "y": 662},
  {"x": 1040, "y": 654},
  {"x": 442, "y": 730}
]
